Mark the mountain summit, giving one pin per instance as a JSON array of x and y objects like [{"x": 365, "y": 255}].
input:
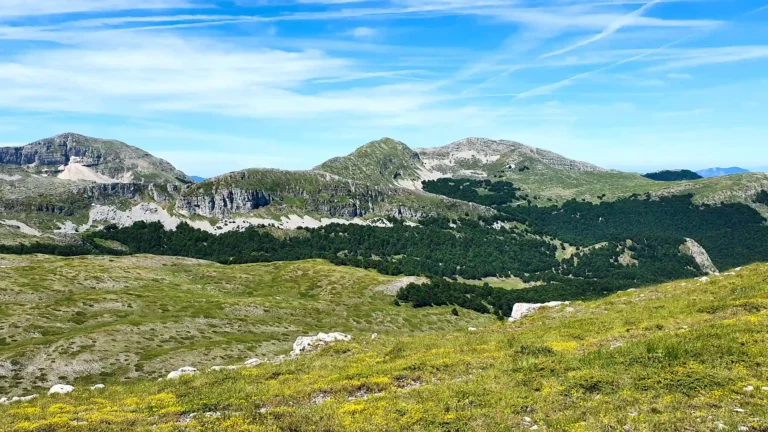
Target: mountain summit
[
  {"x": 71, "y": 156},
  {"x": 384, "y": 162},
  {"x": 481, "y": 156}
]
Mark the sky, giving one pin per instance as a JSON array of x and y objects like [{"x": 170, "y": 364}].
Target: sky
[{"x": 216, "y": 86}]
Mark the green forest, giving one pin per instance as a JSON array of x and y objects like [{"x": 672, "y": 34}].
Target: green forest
[
  {"x": 762, "y": 197},
  {"x": 467, "y": 248},
  {"x": 673, "y": 175},
  {"x": 620, "y": 244},
  {"x": 732, "y": 234},
  {"x": 484, "y": 192}
]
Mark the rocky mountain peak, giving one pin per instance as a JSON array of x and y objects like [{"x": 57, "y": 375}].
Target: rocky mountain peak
[
  {"x": 476, "y": 156},
  {"x": 73, "y": 156}
]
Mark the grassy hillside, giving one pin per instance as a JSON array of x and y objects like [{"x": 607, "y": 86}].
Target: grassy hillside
[
  {"x": 270, "y": 193},
  {"x": 547, "y": 184},
  {"x": 90, "y": 319},
  {"x": 687, "y": 355},
  {"x": 382, "y": 162}
]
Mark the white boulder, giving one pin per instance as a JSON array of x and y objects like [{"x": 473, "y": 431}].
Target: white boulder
[
  {"x": 187, "y": 370},
  {"x": 98, "y": 387},
  {"x": 22, "y": 398},
  {"x": 253, "y": 362},
  {"x": 472, "y": 329},
  {"x": 519, "y": 310},
  {"x": 221, "y": 368},
  {"x": 61, "y": 389},
  {"x": 308, "y": 343}
]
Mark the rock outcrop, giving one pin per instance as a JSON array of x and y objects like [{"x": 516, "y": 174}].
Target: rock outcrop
[
  {"x": 700, "y": 255},
  {"x": 61, "y": 389},
  {"x": 519, "y": 310},
  {"x": 309, "y": 343},
  {"x": 187, "y": 370},
  {"x": 15, "y": 399}
]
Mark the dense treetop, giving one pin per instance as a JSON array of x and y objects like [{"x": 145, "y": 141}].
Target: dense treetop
[{"x": 673, "y": 175}]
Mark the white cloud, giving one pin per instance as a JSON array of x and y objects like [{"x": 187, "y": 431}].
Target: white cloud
[
  {"x": 363, "y": 32},
  {"x": 20, "y": 8},
  {"x": 140, "y": 75},
  {"x": 708, "y": 56}
]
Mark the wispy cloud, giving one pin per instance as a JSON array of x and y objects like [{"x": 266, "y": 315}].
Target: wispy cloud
[
  {"x": 678, "y": 76},
  {"x": 612, "y": 28},
  {"x": 363, "y": 32},
  {"x": 21, "y": 8},
  {"x": 367, "y": 66},
  {"x": 709, "y": 56}
]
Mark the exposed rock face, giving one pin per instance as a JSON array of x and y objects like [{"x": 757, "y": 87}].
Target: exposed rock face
[
  {"x": 473, "y": 156},
  {"x": 245, "y": 191},
  {"x": 81, "y": 157},
  {"x": 519, "y": 310},
  {"x": 692, "y": 248}
]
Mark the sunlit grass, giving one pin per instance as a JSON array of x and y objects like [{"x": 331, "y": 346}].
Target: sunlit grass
[{"x": 680, "y": 356}]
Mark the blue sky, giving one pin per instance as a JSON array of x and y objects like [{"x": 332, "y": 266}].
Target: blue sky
[{"x": 215, "y": 86}]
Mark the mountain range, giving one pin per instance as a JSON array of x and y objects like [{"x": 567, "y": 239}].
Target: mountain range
[
  {"x": 72, "y": 183},
  {"x": 719, "y": 172}
]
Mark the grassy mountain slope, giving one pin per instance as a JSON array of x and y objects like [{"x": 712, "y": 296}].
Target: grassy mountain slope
[
  {"x": 316, "y": 193},
  {"x": 383, "y": 162},
  {"x": 687, "y": 355},
  {"x": 88, "y": 320},
  {"x": 550, "y": 177}
]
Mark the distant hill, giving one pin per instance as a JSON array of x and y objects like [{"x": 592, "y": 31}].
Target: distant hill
[
  {"x": 673, "y": 175},
  {"x": 198, "y": 179},
  {"x": 72, "y": 183},
  {"x": 71, "y": 156},
  {"x": 385, "y": 162},
  {"x": 719, "y": 172}
]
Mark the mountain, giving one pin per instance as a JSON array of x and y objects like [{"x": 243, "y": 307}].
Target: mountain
[
  {"x": 277, "y": 193},
  {"x": 719, "y": 172},
  {"x": 71, "y": 183},
  {"x": 51, "y": 186},
  {"x": 385, "y": 162},
  {"x": 76, "y": 157},
  {"x": 486, "y": 157},
  {"x": 198, "y": 179}
]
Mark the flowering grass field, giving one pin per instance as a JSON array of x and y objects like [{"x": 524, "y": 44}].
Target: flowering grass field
[{"x": 683, "y": 356}]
